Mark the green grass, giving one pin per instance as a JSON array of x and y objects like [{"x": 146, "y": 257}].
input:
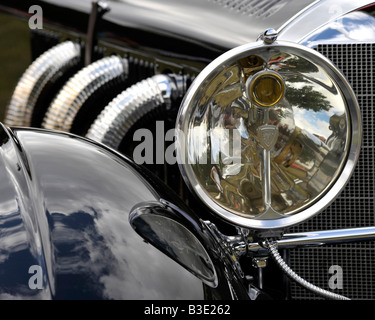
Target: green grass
[{"x": 15, "y": 56}]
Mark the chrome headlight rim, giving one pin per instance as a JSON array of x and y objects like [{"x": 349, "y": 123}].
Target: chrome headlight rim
[{"x": 329, "y": 194}]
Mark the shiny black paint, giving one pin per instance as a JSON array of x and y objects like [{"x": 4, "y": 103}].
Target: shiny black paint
[
  {"x": 64, "y": 206},
  {"x": 65, "y": 218}
]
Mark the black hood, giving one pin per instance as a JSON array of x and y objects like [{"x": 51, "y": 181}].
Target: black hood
[{"x": 216, "y": 23}]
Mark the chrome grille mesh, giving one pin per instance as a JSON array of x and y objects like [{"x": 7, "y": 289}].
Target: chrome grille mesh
[{"x": 355, "y": 206}]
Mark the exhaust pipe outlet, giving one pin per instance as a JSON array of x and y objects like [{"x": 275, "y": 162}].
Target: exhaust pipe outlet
[
  {"x": 132, "y": 104},
  {"x": 45, "y": 69},
  {"x": 68, "y": 102}
]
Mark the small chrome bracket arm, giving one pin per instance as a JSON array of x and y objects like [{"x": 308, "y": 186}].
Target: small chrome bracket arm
[
  {"x": 172, "y": 87},
  {"x": 229, "y": 244},
  {"x": 98, "y": 9}
]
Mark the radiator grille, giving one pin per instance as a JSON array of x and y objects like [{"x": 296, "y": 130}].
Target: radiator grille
[{"x": 355, "y": 206}]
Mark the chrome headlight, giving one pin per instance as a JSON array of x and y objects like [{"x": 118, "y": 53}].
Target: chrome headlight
[{"x": 268, "y": 134}]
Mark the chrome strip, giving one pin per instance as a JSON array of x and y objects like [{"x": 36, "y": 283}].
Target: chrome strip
[
  {"x": 317, "y": 15},
  {"x": 129, "y": 106},
  {"x": 79, "y": 88},
  {"x": 354, "y": 27},
  {"x": 34, "y": 79},
  {"x": 319, "y": 238}
]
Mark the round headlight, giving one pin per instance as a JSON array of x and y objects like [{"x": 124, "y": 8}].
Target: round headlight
[{"x": 268, "y": 135}]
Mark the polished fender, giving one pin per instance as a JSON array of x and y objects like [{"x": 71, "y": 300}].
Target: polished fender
[{"x": 65, "y": 232}]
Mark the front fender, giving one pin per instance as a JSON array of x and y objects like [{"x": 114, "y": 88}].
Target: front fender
[{"x": 65, "y": 231}]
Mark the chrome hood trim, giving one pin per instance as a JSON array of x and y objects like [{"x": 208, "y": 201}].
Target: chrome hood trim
[{"x": 308, "y": 21}]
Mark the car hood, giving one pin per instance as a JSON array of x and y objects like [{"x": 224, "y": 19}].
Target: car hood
[{"x": 222, "y": 24}]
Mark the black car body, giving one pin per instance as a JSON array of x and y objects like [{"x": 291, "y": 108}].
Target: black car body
[{"x": 85, "y": 220}]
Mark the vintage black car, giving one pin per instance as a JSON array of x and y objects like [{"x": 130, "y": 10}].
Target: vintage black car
[{"x": 169, "y": 149}]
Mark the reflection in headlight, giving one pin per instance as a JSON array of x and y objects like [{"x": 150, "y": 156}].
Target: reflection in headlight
[{"x": 288, "y": 154}]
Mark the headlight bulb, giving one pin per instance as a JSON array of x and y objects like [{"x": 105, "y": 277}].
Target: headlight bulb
[{"x": 265, "y": 89}]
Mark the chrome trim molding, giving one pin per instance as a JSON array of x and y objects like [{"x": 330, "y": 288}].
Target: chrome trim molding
[
  {"x": 315, "y": 16},
  {"x": 241, "y": 244},
  {"x": 318, "y": 238},
  {"x": 79, "y": 88},
  {"x": 35, "y": 78},
  {"x": 354, "y": 27},
  {"x": 129, "y": 106}
]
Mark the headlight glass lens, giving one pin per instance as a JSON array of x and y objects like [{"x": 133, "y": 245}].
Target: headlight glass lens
[{"x": 266, "y": 133}]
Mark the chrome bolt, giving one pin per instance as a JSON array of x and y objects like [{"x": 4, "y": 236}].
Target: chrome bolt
[{"x": 269, "y": 36}]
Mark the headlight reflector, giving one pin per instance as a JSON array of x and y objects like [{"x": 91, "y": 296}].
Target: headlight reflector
[{"x": 256, "y": 137}]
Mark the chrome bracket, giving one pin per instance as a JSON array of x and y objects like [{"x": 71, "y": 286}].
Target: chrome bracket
[
  {"x": 235, "y": 247},
  {"x": 314, "y": 239},
  {"x": 249, "y": 244},
  {"x": 228, "y": 244},
  {"x": 244, "y": 245},
  {"x": 98, "y": 9}
]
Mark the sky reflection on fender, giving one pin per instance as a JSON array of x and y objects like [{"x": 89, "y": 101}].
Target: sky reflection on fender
[{"x": 95, "y": 252}]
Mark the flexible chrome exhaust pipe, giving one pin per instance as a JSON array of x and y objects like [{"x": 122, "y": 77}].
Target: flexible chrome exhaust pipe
[
  {"x": 79, "y": 88},
  {"x": 294, "y": 276},
  {"x": 132, "y": 104},
  {"x": 44, "y": 69}
]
